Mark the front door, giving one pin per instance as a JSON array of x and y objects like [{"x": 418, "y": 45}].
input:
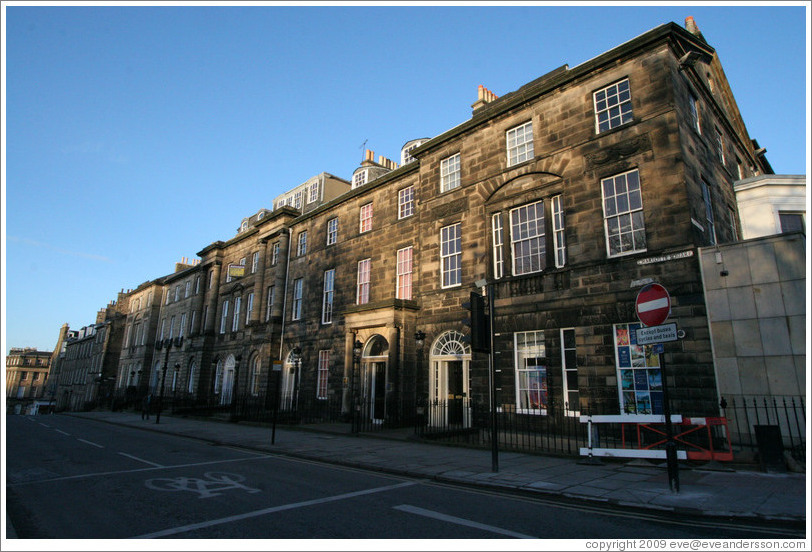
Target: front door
[
  {"x": 456, "y": 392},
  {"x": 375, "y": 390}
]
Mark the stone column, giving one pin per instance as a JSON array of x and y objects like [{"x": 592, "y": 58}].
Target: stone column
[{"x": 346, "y": 396}]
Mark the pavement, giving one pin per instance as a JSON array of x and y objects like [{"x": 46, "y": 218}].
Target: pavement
[{"x": 709, "y": 491}]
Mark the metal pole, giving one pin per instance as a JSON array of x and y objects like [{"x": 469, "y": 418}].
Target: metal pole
[
  {"x": 276, "y": 403},
  {"x": 670, "y": 446},
  {"x": 492, "y": 382}
]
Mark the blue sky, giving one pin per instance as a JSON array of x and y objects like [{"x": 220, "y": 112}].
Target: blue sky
[{"x": 135, "y": 136}]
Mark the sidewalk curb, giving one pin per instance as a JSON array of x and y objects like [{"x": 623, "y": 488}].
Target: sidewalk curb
[{"x": 788, "y": 522}]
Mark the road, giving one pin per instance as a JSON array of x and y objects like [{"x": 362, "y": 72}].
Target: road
[{"x": 74, "y": 478}]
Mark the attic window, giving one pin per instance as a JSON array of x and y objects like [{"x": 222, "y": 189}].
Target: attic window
[{"x": 359, "y": 178}]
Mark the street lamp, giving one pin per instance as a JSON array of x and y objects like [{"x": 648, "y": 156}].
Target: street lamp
[{"x": 356, "y": 362}]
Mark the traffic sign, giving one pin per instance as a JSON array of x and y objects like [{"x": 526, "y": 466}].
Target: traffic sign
[
  {"x": 657, "y": 334},
  {"x": 653, "y": 305}
]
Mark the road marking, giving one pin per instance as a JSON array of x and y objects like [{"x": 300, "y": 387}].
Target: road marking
[
  {"x": 90, "y": 443},
  {"x": 121, "y": 472},
  {"x": 141, "y": 460},
  {"x": 266, "y": 511},
  {"x": 211, "y": 484},
  {"x": 460, "y": 521},
  {"x": 43, "y": 425},
  {"x": 62, "y": 432}
]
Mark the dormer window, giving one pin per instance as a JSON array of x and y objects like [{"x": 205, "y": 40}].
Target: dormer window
[
  {"x": 244, "y": 226},
  {"x": 359, "y": 178}
]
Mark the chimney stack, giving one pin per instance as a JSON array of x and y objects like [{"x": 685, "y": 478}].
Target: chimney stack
[
  {"x": 691, "y": 27},
  {"x": 484, "y": 97}
]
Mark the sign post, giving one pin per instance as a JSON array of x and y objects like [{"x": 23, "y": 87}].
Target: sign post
[{"x": 653, "y": 306}]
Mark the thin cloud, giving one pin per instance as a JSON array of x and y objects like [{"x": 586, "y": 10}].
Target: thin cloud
[{"x": 80, "y": 254}]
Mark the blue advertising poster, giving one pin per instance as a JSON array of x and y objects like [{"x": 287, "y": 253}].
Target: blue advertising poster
[
  {"x": 624, "y": 357},
  {"x": 640, "y": 380},
  {"x": 656, "y": 402}
]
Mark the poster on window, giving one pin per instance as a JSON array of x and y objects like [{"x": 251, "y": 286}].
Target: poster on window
[{"x": 638, "y": 373}]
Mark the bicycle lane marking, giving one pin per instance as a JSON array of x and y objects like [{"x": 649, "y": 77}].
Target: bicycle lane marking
[
  {"x": 142, "y": 460},
  {"x": 266, "y": 511}
]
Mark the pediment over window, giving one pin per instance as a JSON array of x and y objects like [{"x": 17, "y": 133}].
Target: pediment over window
[{"x": 529, "y": 183}]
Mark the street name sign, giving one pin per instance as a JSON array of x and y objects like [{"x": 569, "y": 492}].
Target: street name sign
[{"x": 657, "y": 334}]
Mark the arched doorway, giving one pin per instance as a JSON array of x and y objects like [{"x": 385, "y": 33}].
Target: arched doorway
[
  {"x": 374, "y": 361},
  {"x": 449, "y": 394},
  {"x": 228, "y": 380},
  {"x": 290, "y": 382}
]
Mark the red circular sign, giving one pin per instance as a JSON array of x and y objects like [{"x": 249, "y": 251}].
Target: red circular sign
[{"x": 653, "y": 305}]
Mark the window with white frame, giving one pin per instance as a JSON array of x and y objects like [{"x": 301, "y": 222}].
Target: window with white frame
[
  {"x": 224, "y": 317},
  {"x": 720, "y": 146},
  {"x": 249, "y": 307},
  {"x": 254, "y": 262},
  {"x": 362, "y": 287},
  {"x": 332, "y": 231},
  {"x": 404, "y": 273},
  {"x": 450, "y": 173},
  {"x": 623, "y": 214},
  {"x": 531, "y": 372},
  {"x": 324, "y": 371},
  {"x": 613, "y": 106},
  {"x": 791, "y": 221},
  {"x": 406, "y": 202},
  {"x": 297, "y": 199},
  {"x": 197, "y": 284},
  {"x": 235, "y": 321},
  {"x": 255, "y": 376},
  {"x": 313, "y": 195},
  {"x": 188, "y": 289},
  {"x": 520, "y": 144},
  {"x": 182, "y": 329},
  {"x": 451, "y": 255},
  {"x": 734, "y": 230},
  {"x": 298, "y": 285},
  {"x": 177, "y": 292},
  {"x": 365, "y": 218},
  {"x": 527, "y": 238},
  {"x": 710, "y": 225},
  {"x": 172, "y": 327},
  {"x": 218, "y": 377},
  {"x": 559, "y": 237},
  {"x": 327, "y": 299},
  {"x": 192, "y": 322},
  {"x": 269, "y": 303},
  {"x": 301, "y": 248},
  {"x": 693, "y": 109},
  {"x": 569, "y": 369},
  {"x": 498, "y": 241},
  {"x": 359, "y": 179},
  {"x": 190, "y": 384},
  {"x": 275, "y": 254}
]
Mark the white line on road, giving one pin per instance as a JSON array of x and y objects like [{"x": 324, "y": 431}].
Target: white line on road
[
  {"x": 62, "y": 432},
  {"x": 460, "y": 521},
  {"x": 119, "y": 472},
  {"x": 142, "y": 460},
  {"x": 43, "y": 425},
  {"x": 266, "y": 511},
  {"x": 90, "y": 443}
]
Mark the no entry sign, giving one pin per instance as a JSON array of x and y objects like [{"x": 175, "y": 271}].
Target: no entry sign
[{"x": 653, "y": 305}]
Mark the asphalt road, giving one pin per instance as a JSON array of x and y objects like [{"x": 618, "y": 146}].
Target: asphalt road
[{"x": 73, "y": 478}]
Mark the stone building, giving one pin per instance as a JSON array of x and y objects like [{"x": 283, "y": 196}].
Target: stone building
[
  {"x": 563, "y": 198},
  {"x": 26, "y": 373}
]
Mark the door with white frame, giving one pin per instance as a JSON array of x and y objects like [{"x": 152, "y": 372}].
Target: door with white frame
[
  {"x": 374, "y": 360},
  {"x": 449, "y": 383},
  {"x": 228, "y": 380},
  {"x": 288, "y": 386}
]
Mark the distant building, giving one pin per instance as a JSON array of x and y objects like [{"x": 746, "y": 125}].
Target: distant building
[
  {"x": 26, "y": 373},
  {"x": 305, "y": 197},
  {"x": 771, "y": 204}
]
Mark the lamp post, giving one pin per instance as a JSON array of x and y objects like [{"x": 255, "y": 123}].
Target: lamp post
[
  {"x": 166, "y": 344},
  {"x": 356, "y": 361},
  {"x": 420, "y": 340}
]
